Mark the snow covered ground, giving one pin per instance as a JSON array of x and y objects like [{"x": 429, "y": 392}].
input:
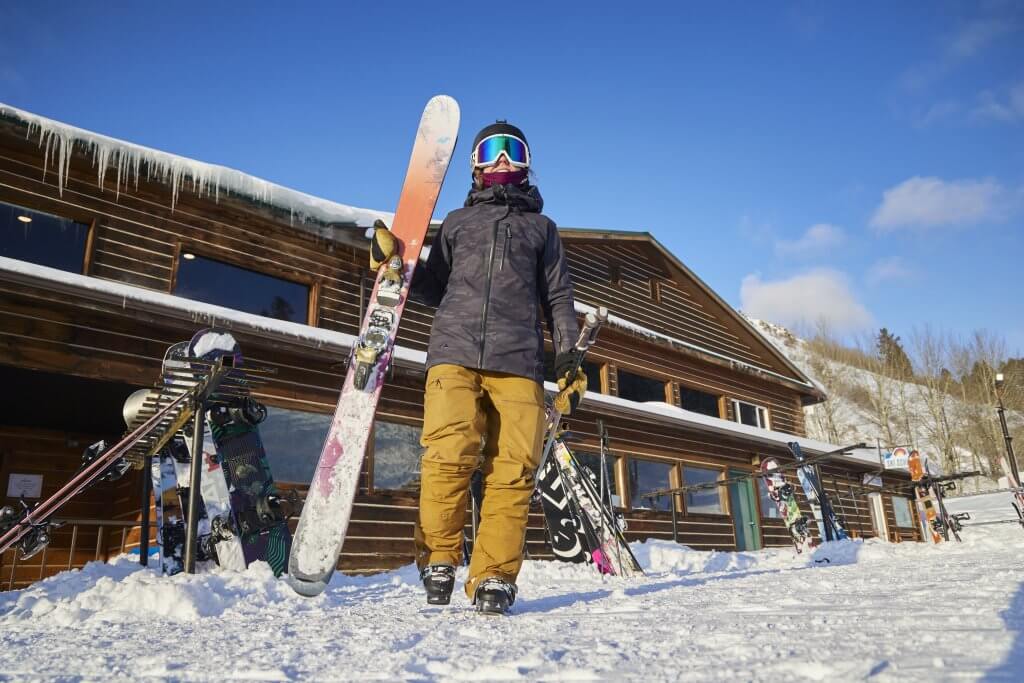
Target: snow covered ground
[{"x": 879, "y": 611}]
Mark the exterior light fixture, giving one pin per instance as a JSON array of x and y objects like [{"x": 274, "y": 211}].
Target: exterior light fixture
[
  {"x": 25, "y": 219},
  {"x": 999, "y": 380},
  {"x": 187, "y": 255}
]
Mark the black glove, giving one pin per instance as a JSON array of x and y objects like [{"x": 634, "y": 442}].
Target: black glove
[{"x": 565, "y": 362}]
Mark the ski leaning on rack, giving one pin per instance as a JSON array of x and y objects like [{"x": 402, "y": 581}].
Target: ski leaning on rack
[
  {"x": 594, "y": 519},
  {"x": 782, "y": 494},
  {"x": 1013, "y": 480},
  {"x": 257, "y": 517},
  {"x": 834, "y": 527},
  {"x": 29, "y": 528},
  {"x": 328, "y": 506}
]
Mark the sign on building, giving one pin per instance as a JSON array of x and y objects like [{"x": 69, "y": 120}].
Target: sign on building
[
  {"x": 897, "y": 458},
  {"x": 24, "y": 485}
]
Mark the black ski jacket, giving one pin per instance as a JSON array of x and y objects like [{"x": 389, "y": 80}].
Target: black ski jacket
[{"x": 495, "y": 268}]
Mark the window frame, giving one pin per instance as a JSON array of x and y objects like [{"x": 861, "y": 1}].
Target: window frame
[
  {"x": 371, "y": 451},
  {"x": 760, "y": 411},
  {"x": 309, "y": 281},
  {"x": 723, "y": 497},
  {"x": 681, "y": 386},
  {"x": 674, "y": 481},
  {"x": 87, "y": 219},
  {"x": 666, "y": 385},
  {"x": 910, "y": 512}
]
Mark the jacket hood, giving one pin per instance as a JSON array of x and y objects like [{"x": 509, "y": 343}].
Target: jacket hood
[{"x": 526, "y": 198}]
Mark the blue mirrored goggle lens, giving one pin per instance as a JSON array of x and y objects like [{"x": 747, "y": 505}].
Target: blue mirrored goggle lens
[{"x": 488, "y": 150}]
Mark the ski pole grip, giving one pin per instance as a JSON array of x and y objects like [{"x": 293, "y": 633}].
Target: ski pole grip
[{"x": 591, "y": 325}]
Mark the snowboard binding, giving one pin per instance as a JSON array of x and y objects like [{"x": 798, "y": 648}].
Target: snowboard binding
[{"x": 116, "y": 469}]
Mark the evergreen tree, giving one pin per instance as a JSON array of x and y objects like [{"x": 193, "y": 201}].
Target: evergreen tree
[{"x": 891, "y": 353}]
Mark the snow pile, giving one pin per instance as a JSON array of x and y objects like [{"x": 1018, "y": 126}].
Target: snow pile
[
  {"x": 214, "y": 341},
  {"x": 125, "y": 592},
  {"x": 130, "y": 163},
  {"x": 889, "y": 611}
]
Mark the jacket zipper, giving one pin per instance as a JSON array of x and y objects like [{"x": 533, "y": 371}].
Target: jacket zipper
[
  {"x": 487, "y": 287},
  {"x": 504, "y": 247}
]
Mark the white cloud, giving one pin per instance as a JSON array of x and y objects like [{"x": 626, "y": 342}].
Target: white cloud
[
  {"x": 818, "y": 295},
  {"x": 933, "y": 202},
  {"x": 1008, "y": 107},
  {"x": 817, "y": 238},
  {"x": 892, "y": 268}
]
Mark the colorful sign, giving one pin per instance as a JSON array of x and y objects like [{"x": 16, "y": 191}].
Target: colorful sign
[{"x": 897, "y": 458}]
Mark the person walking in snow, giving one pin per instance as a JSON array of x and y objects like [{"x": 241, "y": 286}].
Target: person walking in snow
[{"x": 494, "y": 265}]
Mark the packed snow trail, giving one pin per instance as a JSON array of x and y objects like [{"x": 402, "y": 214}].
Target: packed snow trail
[{"x": 879, "y": 611}]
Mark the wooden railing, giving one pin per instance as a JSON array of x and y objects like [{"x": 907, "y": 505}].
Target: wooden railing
[{"x": 101, "y": 551}]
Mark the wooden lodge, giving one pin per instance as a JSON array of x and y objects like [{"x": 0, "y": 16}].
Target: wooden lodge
[{"x": 110, "y": 253}]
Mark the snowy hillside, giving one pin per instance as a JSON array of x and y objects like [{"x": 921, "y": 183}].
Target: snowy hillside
[
  {"x": 869, "y": 407},
  {"x": 879, "y": 611}
]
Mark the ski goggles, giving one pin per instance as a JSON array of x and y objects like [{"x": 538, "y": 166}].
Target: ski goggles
[{"x": 491, "y": 147}]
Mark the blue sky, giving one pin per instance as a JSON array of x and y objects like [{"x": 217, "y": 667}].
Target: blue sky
[{"x": 860, "y": 163}]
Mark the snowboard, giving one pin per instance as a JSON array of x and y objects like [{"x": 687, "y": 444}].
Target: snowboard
[
  {"x": 927, "y": 510},
  {"x": 328, "y": 506},
  {"x": 257, "y": 516},
  {"x": 833, "y": 527},
  {"x": 167, "y": 507},
  {"x": 570, "y": 541},
  {"x": 215, "y": 502},
  {"x": 781, "y": 493}
]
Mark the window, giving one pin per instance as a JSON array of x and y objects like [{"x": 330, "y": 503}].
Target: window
[
  {"x": 615, "y": 272},
  {"x": 901, "y": 509},
  {"x": 750, "y": 414},
  {"x": 698, "y": 401},
  {"x": 703, "y": 501},
  {"x": 245, "y": 290},
  {"x": 769, "y": 510},
  {"x": 646, "y": 476},
  {"x": 293, "y": 440},
  {"x": 655, "y": 290},
  {"x": 639, "y": 388},
  {"x": 42, "y": 238},
  {"x": 591, "y": 463},
  {"x": 396, "y": 456}
]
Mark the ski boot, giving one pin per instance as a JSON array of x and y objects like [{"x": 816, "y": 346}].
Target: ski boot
[
  {"x": 494, "y": 596},
  {"x": 438, "y": 580}
]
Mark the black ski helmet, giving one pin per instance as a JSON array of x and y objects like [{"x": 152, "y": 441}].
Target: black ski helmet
[{"x": 498, "y": 127}]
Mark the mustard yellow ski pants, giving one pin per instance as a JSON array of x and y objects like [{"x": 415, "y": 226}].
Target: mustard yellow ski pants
[{"x": 471, "y": 419}]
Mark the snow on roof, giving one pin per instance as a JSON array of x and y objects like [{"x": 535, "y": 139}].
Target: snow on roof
[
  {"x": 207, "y": 315},
  {"x": 210, "y": 315},
  {"x": 622, "y": 323},
  {"x": 131, "y": 162},
  {"x": 706, "y": 423}
]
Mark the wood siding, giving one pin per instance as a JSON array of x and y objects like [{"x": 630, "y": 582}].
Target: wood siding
[{"x": 135, "y": 238}]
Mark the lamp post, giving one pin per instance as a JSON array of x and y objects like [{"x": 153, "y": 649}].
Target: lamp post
[{"x": 1011, "y": 460}]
